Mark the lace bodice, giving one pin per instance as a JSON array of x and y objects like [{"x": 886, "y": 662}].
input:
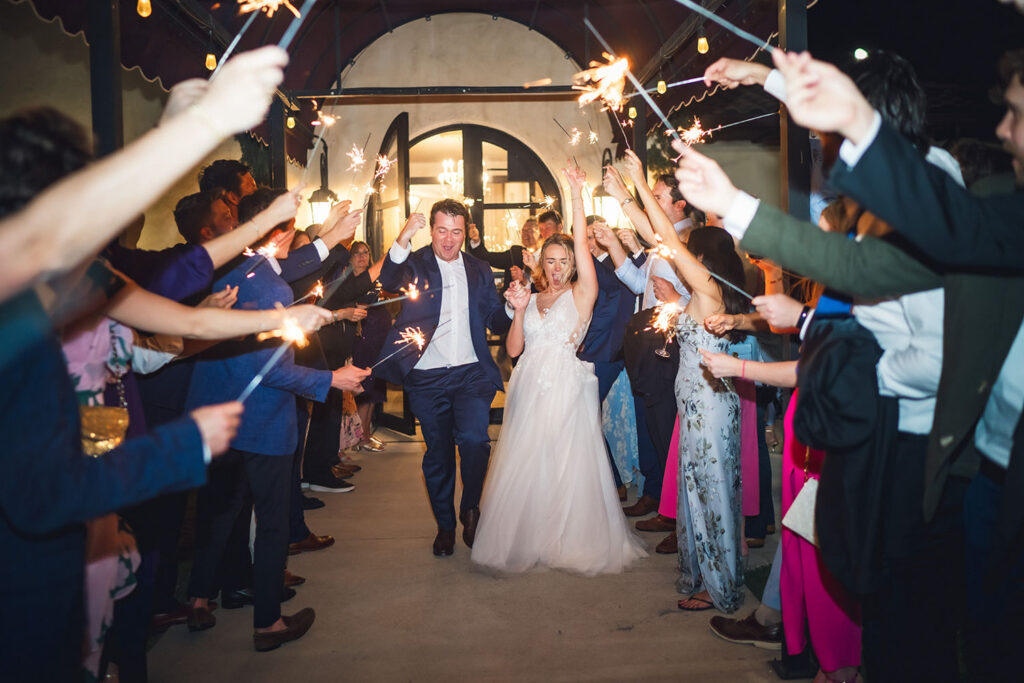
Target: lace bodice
[{"x": 561, "y": 326}]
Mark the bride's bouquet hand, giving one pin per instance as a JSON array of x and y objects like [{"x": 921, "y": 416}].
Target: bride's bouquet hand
[{"x": 517, "y": 296}]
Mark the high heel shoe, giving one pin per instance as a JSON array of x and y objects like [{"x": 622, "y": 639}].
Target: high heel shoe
[{"x": 369, "y": 446}]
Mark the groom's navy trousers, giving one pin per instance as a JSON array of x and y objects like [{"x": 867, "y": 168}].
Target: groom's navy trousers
[{"x": 453, "y": 407}]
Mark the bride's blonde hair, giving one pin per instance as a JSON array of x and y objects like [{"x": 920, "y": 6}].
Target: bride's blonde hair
[{"x": 540, "y": 281}]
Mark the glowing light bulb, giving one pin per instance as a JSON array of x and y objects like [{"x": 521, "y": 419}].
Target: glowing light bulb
[
  {"x": 860, "y": 54},
  {"x": 702, "y": 45},
  {"x": 211, "y": 61},
  {"x": 144, "y": 8},
  {"x": 290, "y": 122},
  {"x": 662, "y": 87},
  {"x": 632, "y": 112}
]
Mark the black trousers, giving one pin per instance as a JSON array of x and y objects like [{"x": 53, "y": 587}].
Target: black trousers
[
  {"x": 324, "y": 438},
  {"x": 238, "y": 480},
  {"x": 910, "y": 625},
  {"x": 297, "y": 529}
]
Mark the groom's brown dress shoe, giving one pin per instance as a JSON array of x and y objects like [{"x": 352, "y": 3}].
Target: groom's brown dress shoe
[
  {"x": 444, "y": 543},
  {"x": 296, "y": 626},
  {"x": 656, "y": 523},
  {"x": 469, "y": 519}
]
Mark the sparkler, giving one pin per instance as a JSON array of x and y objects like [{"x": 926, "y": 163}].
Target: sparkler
[
  {"x": 325, "y": 121},
  {"x": 315, "y": 293},
  {"x": 694, "y": 133},
  {"x": 665, "y": 320},
  {"x": 668, "y": 254},
  {"x": 234, "y": 43},
  {"x": 291, "y": 333},
  {"x": 408, "y": 337},
  {"x": 356, "y": 157},
  {"x": 572, "y": 140},
  {"x": 698, "y": 79},
  {"x": 293, "y": 28},
  {"x": 261, "y": 254},
  {"x": 603, "y": 82},
  {"x": 632, "y": 79},
  {"x": 592, "y": 138},
  {"x": 383, "y": 166},
  {"x": 268, "y": 6},
  {"x": 728, "y": 26}
]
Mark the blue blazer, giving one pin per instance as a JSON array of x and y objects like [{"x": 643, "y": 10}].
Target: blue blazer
[
  {"x": 300, "y": 263},
  {"x": 612, "y": 311},
  {"x": 269, "y": 423},
  {"x": 486, "y": 311}
]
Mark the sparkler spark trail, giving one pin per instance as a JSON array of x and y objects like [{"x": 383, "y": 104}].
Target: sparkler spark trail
[
  {"x": 694, "y": 133},
  {"x": 592, "y": 139},
  {"x": 632, "y": 79},
  {"x": 698, "y": 79},
  {"x": 383, "y": 166},
  {"x": 728, "y": 26},
  {"x": 575, "y": 137},
  {"x": 291, "y": 333},
  {"x": 268, "y": 6},
  {"x": 408, "y": 337},
  {"x": 315, "y": 293},
  {"x": 325, "y": 121},
  {"x": 261, "y": 254},
  {"x": 603, "y": 82},
  {"x": 571, "y": 139},
  {"x": 356, "y": 157},
  {"x": 667, "y": 315}
]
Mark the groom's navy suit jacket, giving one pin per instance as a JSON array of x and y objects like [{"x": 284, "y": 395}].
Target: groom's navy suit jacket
[{"x": 486, "y": 310}]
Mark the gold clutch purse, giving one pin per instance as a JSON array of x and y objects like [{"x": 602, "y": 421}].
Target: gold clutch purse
[{"x": 103, "y": 428}]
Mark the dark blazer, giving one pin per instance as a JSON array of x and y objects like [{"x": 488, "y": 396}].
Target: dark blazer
[
  {"x": 982, "y": 316},
  {"x": 221, "y": 373},
  {"x": 612, "y": 311},
  {"x": 486, "y": 310},
  {"x": 176, "y": 273},
  {"x": 300, "y": 263},
  {"x": 925, "y": 205},
  {"x": 325, "y": 271}
]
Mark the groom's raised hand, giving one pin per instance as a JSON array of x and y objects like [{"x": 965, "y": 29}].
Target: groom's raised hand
[{"x": 414, "y": 224}]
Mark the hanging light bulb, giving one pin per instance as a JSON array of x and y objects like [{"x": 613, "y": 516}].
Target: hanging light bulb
[
  {"x": 632, "y": 112},
  {"x": 144, "y": 8},
  {"x": 702, "y": 45},
  {"x": 290, "y": 122},
  {"x": 211, "y": 61},
  {"x": 662, "y": 87}
]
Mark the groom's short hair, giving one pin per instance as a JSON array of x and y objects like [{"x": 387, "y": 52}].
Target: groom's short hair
[{"x": 451, "y": 208}]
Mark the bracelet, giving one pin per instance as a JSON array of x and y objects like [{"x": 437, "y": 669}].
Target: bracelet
[
  {"x": 334, "y": 316},
  {"x": 743, "y": 369},
  {"x": 625, "y": 201},
  {"x": 803, "y": 316}
]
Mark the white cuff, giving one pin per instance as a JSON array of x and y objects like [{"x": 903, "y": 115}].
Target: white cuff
[
  {"x": 739, "y": 216},
  {"x": 274, "y": 264},
  {"x": 321, "y": 249},
  {"x": 851, "y": 152},
  {"x": 397, "y": 253},
  {"x": 807, "y": 322},
  {"x": 509, "y": 311},
  {"x": 207, "y": 455},
  {"x": 636, "y": 254},
  {"x": 775, "y": 85},
  {"x": 474, "y": 244}
]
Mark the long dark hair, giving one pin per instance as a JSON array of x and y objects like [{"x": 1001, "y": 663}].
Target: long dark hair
[{"x": 714, "y": 248}]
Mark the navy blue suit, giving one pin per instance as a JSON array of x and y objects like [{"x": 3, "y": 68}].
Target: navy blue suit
[{"x": 452, "y": 404}]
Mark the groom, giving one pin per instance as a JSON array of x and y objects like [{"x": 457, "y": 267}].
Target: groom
[{"x": 452, "y": 380}]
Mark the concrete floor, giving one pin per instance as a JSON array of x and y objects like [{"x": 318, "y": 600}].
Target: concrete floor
[{"x": 388, "y": 610}]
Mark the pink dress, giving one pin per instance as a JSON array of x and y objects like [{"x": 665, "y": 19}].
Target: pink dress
[{"x": 812, "y": 600}]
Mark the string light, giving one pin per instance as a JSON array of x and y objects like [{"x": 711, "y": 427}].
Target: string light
[
  {"x": 702, "y": 45},
  {"x": 144, "y": 8},
  {"x": 290, "y": 122},
  {"x": 211, "y": 61},
  {"x": 662, "y": 87},
  {"x": 632, "y": 112}
]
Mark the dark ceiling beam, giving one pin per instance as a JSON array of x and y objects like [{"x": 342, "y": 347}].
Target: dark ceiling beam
[
  {"x": 674, "y": 43},
  {"x": 654, "y": 21},
  {"x": 387, "y": 17}
]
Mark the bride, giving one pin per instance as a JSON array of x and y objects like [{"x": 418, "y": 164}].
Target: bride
[{"x": 549, "y": 498}]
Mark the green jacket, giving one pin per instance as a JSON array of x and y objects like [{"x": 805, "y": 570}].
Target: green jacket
[{"x": 982, "y": 316}]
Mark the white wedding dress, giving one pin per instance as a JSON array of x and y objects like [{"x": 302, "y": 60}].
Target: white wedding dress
[{"x": 549, "y": 498}]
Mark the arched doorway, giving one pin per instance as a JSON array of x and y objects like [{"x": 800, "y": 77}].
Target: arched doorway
[{"x": 500, "y": 179}]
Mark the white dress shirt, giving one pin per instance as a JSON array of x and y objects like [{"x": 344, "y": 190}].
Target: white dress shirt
[{"x": 452, "y": 345}]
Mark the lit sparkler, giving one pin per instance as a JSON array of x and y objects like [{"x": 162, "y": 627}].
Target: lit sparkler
[
  {"x": 291, "y": 333},
  {"x": 592, "y": 139},
  {"x": 261, "y": 254},
  {"x": 383, "y": 166},
  {"x": 665, "y": 320},
  {"x": 575, "y": 137},
  {"x": 315, "y": 293},
  {"x": 603, "y": 81},
  {"x": 268, "y": 6},
  {"x": 357, "y": 158},
  {"x": 694, "y": 133},
  {"x": 406, "y": 338}
]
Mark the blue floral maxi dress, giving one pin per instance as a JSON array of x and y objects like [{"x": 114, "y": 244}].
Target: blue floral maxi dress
[{"x": 709, "y": 519}]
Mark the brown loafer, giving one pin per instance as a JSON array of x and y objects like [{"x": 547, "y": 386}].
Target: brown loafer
[
  {"x": 295, "y": 627},
  {"x": 747, "y": 631},
  {"x": 657, "y": 523},
  {"x": 293, "y": 579},
  {"x": 444, "y": 543},
  {"x": 644, "y": 506},
  {"x": 344, "y": 470},
  {"x": 200, "y": 619},
  {"x": 310, "y": 543},
  {"x": 622, "y": 493},
  {"x": 668, "y": 546},
  {"x": 469, "y": 519}
]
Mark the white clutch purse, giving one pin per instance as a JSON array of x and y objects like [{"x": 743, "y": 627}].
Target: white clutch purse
[{"x": 799, "y": 517}]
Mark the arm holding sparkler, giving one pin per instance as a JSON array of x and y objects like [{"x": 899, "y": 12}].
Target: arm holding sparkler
[
  {"x": 518, "y": 297},
  {"x": 340, "y": 225},
  {"x": 226, "y": 247},
  {"x": 720, "y": 323},
  {"x": 782, "y": 374},
  {"x": 585, "y": 289},
  {"x": 73, "y": 218},
  {"x": 614, "y": 186},
  {"x": 395, "y": 273},
  {"x": 144, "y": 310},
  {"x": 607, "y": 239}
]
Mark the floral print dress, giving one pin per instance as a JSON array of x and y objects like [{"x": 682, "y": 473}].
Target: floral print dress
[{"x": 709, "y": 518}]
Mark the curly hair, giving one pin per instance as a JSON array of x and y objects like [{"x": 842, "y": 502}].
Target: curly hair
[
  {"x": 540, "y": 280},
  {"x": 38, "y": 147}
]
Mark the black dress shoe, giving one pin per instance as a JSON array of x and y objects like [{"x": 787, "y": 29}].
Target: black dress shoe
[
  {"x": 311, "y": 503},
  {"x": 444, "y": 543},
  {"x": 296, "y": 626},
  {"x": 243, "y": 597},
  {"x": 469, "y": 519}
]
